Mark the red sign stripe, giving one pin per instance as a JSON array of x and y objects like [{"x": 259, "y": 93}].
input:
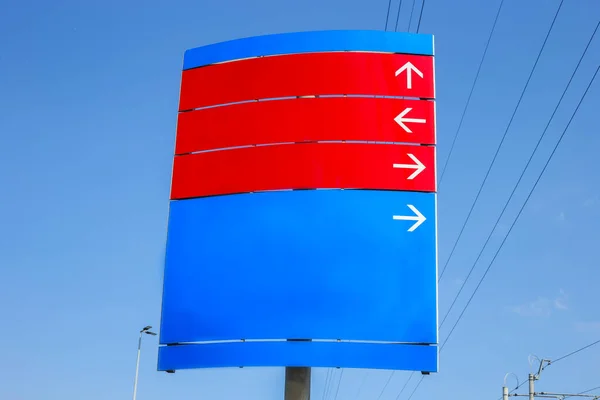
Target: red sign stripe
[
  {"x": 303, "y": 120},
  {"x": 304, "y": 166},
  {"x": 307, "y": 74}
]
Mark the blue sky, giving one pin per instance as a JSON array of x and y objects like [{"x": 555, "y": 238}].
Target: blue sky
[{"x": 89, "y": 94}]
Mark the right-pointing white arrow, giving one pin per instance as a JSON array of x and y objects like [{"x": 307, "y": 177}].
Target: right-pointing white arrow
[
  {"x": 418, "y": 217},
  {"x": 417, "y": 166},
  {"x": 409, "y": 68},
  {"x": 400, "y": 120}
]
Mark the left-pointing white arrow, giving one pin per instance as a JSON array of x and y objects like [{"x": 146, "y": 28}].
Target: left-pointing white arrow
[
  {"x": 400, "y": 120},
  {"x": 417, "y": 166},
  {"x": 418, "y": 217}
]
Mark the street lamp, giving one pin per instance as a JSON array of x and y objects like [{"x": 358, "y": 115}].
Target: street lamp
[{"x": 145, "y": 330}]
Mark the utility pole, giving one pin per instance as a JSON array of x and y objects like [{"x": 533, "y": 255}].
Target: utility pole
[
  {"x": 532, "y": 394},
  {"x": 532, "y": 378}
]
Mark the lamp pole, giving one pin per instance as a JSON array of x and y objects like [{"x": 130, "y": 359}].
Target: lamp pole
[{"x": 145, "y": 330}]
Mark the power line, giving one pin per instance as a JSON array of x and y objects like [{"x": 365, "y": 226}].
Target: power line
[
  {"x": 420, "y": 15},
  {"x": 525, "y": 168},
  {"x": 580, "y": 349},
  {"x": 386, "y": 384},
  {"x": 566, "y": 397},
  {"x": 388, "y": 14},
  {"x": 589, "y": 390},
  {"x": 412, "y": 10},
  {"x": 515, "y": 221},
  {"x": 398, "y": 16},
  {"x": 559, "y": 359},
  {"x": 327, "y": 383},
  {"x": 416, "y": 387},
  {"x": 362, "y": 383},
  {"x": 405, "y": 384},
  {"x": 522, "y": 208},
  {"x": 338, "y": 384},
  {"x": 487, "y": 174},
  {"x": 517, "y": 388},
  {"x": 458, "y": 129},
  {"x": 396, "y": 29},
  {"x": 443, "y": 170}
]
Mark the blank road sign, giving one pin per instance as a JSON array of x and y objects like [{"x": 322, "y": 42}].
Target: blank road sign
[{"x": 320, "y": 264}]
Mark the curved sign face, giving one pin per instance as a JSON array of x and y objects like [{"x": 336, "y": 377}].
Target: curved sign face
[{"x": 302, "y": 225}]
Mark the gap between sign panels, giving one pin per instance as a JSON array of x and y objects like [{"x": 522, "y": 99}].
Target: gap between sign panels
[
  {"x": 291, "y": 54},
  {"x": 285, "y": 340},
  {"x": 327, "y": 96},
  {"x": 304, "y": 142}
]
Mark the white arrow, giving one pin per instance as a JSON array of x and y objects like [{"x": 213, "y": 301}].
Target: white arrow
[
  {"x": 418, "y": 217},
  {"x": 409, "y": 68},
  {"x": 400, "y": 120},
  {"x": 417, "y": 166}
]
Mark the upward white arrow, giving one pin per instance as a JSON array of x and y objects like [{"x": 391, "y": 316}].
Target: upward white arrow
[
  {"x": 409, "y": 68},
  {"x": 417, "y": 166},
  {"x": 418, "y": 217}
]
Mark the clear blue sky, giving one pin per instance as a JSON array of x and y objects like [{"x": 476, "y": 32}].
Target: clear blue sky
[{"x": 88, "y": 100}]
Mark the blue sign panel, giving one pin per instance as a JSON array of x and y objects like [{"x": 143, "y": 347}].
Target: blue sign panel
[
  {"x": 309, "y": 42},
  {"x": 318, "y": 264}
]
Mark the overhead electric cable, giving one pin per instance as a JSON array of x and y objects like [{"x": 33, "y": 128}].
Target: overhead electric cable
[
  {"x": 590, "y": 390},
  {"x": 416, "y": 387},
  {"x": 513, "y": 225},
  {"x": 559, "y": 359},
  {"x": 462, "y": 117},
  {"x": 487, "y": 174},
  {"x": 386, "y": 384},
  {"x": 362, "y": 383},
  {"x": 338, "y": 385},
  {"x": 525, "y": 168},
  {"x": 327, "y": 383},
  {"x": 387, "y": 17},
  {"x": 573, "y": 352},
  {"x": 521, "y": 211},
  {"x": 420, "y": 15},
  {"x": 412, "y": 10},
  {"x": 405, "y": 385},
  {"x": 398, "y": 16}
]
